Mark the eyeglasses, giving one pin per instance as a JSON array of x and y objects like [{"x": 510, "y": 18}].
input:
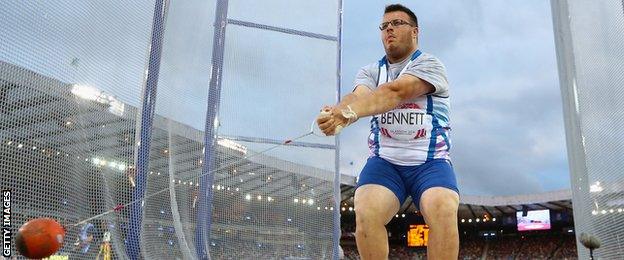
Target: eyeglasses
[{"x": 395, "y": 23}]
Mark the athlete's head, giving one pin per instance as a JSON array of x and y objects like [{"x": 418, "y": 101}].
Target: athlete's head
[{"x": 399, "y": 31}]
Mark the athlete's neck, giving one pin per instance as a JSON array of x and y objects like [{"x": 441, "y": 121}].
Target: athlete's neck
[{"x": 401, "y": 57}]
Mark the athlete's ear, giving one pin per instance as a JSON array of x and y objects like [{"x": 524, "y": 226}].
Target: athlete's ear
[{"x": 415, "y": 32}]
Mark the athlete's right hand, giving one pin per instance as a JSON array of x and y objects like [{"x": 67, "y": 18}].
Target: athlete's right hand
[{"x": 325, "y": 121}]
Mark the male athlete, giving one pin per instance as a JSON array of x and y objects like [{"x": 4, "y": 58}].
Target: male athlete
[{"x": 406, "y": 93}]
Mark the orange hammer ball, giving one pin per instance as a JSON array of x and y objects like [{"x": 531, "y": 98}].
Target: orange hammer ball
[{"x": 40, "y": 238}]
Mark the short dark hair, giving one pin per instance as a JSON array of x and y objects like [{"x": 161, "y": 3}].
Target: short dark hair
[{"x": 402, "y": 8}]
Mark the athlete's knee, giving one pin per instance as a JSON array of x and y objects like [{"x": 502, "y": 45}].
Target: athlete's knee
[
  {"x": 361, "y": 229},
  {"x": 440, "y": 205},
  {"x": 368, "y": 219},
  {"x": 368, "y": 216}
]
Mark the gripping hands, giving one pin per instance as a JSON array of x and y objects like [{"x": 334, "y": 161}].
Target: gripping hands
[{"x": 332, "y": 120}]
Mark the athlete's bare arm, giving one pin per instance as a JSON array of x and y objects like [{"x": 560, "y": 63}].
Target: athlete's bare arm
[
  {"x": 358, "y": 92},
  {"x": 383, "y": 99}
]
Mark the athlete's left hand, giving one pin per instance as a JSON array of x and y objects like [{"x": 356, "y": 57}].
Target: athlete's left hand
[
  {"x": 338, "y": 118},
  {"x": 335, "y": 123}
]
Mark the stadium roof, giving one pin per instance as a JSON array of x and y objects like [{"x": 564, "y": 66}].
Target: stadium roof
[{"x": 46, "y": 112}]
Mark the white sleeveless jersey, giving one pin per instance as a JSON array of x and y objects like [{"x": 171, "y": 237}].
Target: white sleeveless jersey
[{"x": 417, "y": 130}]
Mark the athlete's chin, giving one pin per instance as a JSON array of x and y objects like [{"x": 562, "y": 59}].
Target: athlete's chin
[{"x": 392, "y": 49}]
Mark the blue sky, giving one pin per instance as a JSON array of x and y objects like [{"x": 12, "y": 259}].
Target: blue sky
[{"x": 508, "y": 135}]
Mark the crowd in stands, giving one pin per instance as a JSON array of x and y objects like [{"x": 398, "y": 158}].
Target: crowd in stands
[
  {"x": 396, "y": 253},
  {"x": 567, "y": 251},
  {"x": 347, "y": 231},
  {"x": 542, "y": 247},
  {"x": 237, "y": 250},
  {"x": 501, "y": 248},
  {"x": 470, "y": 249}
]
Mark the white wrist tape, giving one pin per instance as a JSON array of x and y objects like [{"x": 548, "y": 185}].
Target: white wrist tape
[{"x": 349, "y": 114}]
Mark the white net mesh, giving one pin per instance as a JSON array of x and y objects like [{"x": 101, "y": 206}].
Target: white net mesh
[
  {"x": 590, "y": 49},
  {"x": 67, "y": 69},
  {"x": 270, "y": 93},
  {"x": 79, "y": 81}
]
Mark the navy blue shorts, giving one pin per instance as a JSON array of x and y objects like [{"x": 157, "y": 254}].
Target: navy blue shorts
[{"x": 408, "y": 180}]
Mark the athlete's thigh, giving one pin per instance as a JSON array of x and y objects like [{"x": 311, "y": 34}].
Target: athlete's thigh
[{"x": 381, "y": 191}]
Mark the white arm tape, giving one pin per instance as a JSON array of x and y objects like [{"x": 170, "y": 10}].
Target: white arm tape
[{"x": 349, "y": 114}]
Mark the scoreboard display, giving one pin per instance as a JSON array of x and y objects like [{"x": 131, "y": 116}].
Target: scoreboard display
[{"x": 417, "y": 235}]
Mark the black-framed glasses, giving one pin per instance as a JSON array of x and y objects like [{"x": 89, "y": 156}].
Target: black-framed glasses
[{"x": 395, "y": 23}]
